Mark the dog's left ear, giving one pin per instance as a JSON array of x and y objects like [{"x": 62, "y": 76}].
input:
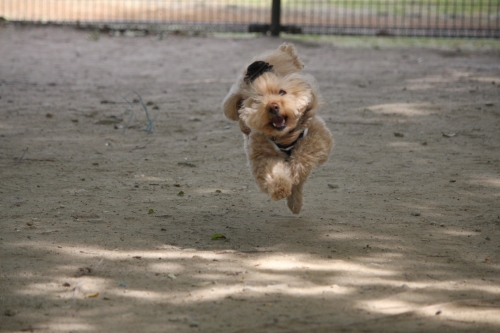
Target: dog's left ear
[
  {"x": 232, "y": 103},
  {"x": 311, "y": 109},
  {"x": 313, "y": 103}
]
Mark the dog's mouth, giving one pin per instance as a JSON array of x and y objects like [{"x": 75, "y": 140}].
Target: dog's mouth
[{"x": 279, "y": 122}]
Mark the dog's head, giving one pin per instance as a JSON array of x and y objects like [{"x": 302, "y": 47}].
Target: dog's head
[
  {"x": 277, "y": 105},
  {"x": 282, "y": 61}
]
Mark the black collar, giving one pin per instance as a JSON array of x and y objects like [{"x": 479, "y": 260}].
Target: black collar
[{"x": 287, "y": 149}]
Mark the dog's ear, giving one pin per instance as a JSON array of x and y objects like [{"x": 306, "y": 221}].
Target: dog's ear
[
  {"x": 256, "y": 69},
  {"x": 244, "y": 128},
  {"x": 292, "y": 52},
  {"x": 310, "y": 110},
  {"x": 313, "y": 103},
  {"x": 232, "y": 103}
]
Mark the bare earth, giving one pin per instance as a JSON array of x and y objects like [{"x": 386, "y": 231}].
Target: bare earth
[{"x": 105, "y": 228}]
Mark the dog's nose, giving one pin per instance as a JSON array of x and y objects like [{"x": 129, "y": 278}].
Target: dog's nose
[{"x": 274, "y": 108}]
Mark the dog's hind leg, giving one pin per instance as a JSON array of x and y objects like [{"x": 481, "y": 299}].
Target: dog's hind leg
[{"x": 294, "y": 201}]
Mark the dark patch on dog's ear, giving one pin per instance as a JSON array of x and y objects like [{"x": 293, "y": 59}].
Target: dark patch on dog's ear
[
  {"x": 244, "y": 128},
  {"x": 239, "y": 104},
  {"x": 306, "y": 116},
  {"x": 256, "y": 69}
]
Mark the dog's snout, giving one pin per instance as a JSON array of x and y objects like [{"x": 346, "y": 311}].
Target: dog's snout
[{"x": 274, "y": 108}]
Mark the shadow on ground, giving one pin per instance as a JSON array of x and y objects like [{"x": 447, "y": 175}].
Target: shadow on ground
[{"x": 106, "y": 227}]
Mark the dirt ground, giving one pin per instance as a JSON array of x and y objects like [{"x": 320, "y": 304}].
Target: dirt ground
[{"x": 107, "y": 227}]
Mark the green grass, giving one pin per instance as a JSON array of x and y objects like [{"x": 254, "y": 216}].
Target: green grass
[
  {"x": 464, "y": 44},
  {"x": 357, "y": 42},
  {"x": 402, "y": 6}
]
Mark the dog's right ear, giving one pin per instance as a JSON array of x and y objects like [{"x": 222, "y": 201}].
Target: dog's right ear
[
  {"x": 232, "y": 103},
  {"x": 292, "y": 52}
]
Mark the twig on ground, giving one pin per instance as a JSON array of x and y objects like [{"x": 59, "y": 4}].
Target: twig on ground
[
  {"x": 24, "y": 153},
  {"x": 137, "y": 147},
  {"x": 98, "y": 264},
  {"x": 148, "y": 128},
  {"x": 131, "y": 115}
]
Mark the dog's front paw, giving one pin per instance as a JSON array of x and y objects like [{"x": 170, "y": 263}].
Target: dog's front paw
[
  {"x": 278, "y": 182},
  {"x": 280, "y": 192},
  {"x": 280, "y": 187}
]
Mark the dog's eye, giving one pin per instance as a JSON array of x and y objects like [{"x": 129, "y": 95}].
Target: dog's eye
[{"x": 282, "y": 92}]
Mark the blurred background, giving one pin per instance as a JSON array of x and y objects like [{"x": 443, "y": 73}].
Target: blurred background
[{"x": 428, "y": 18}]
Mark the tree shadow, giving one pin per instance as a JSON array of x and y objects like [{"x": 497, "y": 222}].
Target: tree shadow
[{"x": 100, "y": 237}]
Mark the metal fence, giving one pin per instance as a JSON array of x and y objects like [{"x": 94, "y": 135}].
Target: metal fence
[{"x": 442, "y": 18}]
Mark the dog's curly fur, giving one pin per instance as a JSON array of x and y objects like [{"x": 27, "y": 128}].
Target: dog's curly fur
[{"x": 276, "y": 105}]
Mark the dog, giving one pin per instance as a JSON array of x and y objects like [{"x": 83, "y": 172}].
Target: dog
[{"x": 276, "y": 105}]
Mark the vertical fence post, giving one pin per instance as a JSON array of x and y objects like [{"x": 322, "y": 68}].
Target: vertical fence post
[{"x": 276, "y": 18}]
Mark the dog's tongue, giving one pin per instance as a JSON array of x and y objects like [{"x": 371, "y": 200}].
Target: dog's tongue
[{"x": 278, "y": 121}]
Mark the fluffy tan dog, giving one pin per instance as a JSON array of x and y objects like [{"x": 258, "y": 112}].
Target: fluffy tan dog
[{"x": 276, "y": 105}]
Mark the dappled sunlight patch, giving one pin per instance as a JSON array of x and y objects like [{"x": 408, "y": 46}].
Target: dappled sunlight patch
[
  {"x": 342, "y": 235},
  {"x": 420, "y": 86},
  {"x": 208, "y": 292},
  {"x": 405, "y": 145},
  {"x": 282, "y": 289},
  {"x": 470, "y": 310},
  {"x": 85, "y": 251},
  {"x": 210, "y": 191},
  {"x": 440, "y": 78},
  {"x": 486, "y": 79},
  {"x": 377, "y": 261},
  {"x": 294, "y": 291},
  {"x": 278, "y": 263},
  {"x": 68, "y": 325},
  {"x": 458, "y": 233},
  {"x": 445, "y": 81},
  {"x": 144, "y": 295},
  {"x": 403, "y": 109},
  {"x": 87, "y": 286},
  {"x": 420, "y": 301},
  {"x": 166, "y": 267},
  {"x": 430, "y": 82},
  {"x": 143, "y": 177},
  {"x": 485, "y": 180},
  {"x": 388, "y": 306}
]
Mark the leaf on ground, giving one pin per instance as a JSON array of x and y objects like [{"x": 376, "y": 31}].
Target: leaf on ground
[
  {"x": 151, "y": 211},
  {"x": 218, "y": 236},
  {"x": 218, "y": 191},
  {"x": 92, "y": 295},
  {"x": 181, "y": 193},
  {"x": 172, "y": 276},
  {"x": 202, "y": 284},
  {"x": 192, "y": 165}
]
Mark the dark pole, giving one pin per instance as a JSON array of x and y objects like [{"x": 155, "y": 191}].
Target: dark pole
[{"x": 275, "y": 18}]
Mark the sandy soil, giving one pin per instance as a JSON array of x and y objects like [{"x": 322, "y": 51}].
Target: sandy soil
[{"x": 106, "y": 227}]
